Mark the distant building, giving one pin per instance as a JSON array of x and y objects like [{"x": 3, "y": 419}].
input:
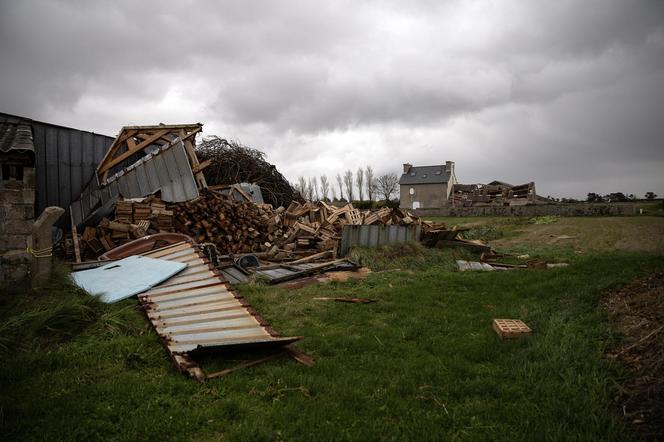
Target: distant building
[{"x": 423, "y": 187}]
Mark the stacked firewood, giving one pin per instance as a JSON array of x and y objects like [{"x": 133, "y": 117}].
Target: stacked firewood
[
  {"x": 133, "y": 219},
  {"x": 233, "y": 226},
  {"x": 300, "y": 229}
]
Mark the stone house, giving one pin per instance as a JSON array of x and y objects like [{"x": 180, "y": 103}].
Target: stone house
[{"x": 426, "y": 186}]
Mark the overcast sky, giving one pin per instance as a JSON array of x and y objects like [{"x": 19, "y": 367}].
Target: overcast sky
[{"x": 569, "y": 94}]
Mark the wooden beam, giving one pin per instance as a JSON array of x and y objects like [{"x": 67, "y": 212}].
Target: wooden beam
[
  {"x": 119, "y": 141},
  {"x": 193, "y": 158},
  {"x": 74, "y": 237},
  {"x": 201, "y": 166},
  {"x": 172, "y": 127},
  {"x": 162, "y": 141},
  {"x": 244, "y": 365},
  {"x": 137, "y": 148}
]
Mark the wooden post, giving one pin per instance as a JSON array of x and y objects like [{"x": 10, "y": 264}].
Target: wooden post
[
  {"x": 42, "y": 242},
  {"x": 74, "y": 237}
]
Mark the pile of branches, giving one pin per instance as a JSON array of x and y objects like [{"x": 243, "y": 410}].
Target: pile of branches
[{"x": 232, "y": 162}]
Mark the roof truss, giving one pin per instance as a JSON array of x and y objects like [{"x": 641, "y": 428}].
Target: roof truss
[{"x": 134, "y": 139}]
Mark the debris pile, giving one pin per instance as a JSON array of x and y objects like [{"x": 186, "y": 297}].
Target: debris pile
[
  {"x": 495, "y": 193},
  {"x": 134, "y": 218},
  {"x": 230, "y": 162},
  {"x": 233, "y": 226},
  {"x": 282, "y": 233}
]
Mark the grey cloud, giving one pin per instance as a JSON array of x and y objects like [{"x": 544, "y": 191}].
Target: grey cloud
[{"x": 569, "y": 83}]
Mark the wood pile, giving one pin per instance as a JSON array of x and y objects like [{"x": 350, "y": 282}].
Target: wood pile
[
  {"x": 235, "y": 227},
  {"x": 301, "y": 229},
  {"x": 133, "y": 219}
]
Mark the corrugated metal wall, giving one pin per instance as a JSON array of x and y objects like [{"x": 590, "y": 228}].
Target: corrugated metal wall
[
  {"x": 65, "y": 161},
  {"x": 376, "y": 235}
]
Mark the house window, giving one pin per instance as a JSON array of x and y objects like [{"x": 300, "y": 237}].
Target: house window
[{"x": 412, "y": 191}]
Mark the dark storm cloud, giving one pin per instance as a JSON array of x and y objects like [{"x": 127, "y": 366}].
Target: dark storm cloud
[{"x": 568, "y": 93}]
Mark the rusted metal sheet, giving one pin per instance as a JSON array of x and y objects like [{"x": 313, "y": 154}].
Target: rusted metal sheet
[{"x": 197, "y": 310}]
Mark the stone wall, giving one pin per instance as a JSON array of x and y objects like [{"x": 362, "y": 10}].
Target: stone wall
[
  {"x": 580, "y": 209},
  {"x": 428, "y": 195},
  {"x": 17, "y": 214}
]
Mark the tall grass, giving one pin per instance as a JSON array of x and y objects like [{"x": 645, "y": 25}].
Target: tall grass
[
  {"x": 56, "y": 314},
  {"x": 407, "y": 256}
]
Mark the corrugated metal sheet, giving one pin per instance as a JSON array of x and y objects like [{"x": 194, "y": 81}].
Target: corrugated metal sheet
[
  {"x": 197, "y": 310},
  {"x": 167, "y": 170},
  {"x": 376, "y": 235},
  {"x": 285, "y": 272},
  {"x": 65, "y": 161}
]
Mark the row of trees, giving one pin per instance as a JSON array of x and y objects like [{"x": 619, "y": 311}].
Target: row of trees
[
  {"x": 364, "y": 181},
  {"x": 616, "y": 197}
]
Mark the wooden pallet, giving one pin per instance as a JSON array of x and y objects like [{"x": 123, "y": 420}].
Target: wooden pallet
[{"x": 511, "y": 328}]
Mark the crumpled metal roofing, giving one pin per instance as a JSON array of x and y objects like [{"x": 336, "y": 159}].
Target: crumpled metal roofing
[
  {"x": 167, "y": 169},
  {"x": 198, "y": 310}
]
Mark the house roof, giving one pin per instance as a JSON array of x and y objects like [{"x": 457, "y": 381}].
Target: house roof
[
  {"x": 425, "y": 175},
  {"x": 16, "y": 135}
]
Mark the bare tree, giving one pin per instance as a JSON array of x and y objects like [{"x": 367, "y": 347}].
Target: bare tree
[
  {"x": 302, "y": 186},
  {"x": 348, "y": 181},
  {"x": 310, "y": 190},
  {"x": 359, "y": 181},
  {"x": 371, "y": 182},
  {"x": 324, "y": 187},
  {"x": 334, "y": 194},
  {"x": 387, "y": 185},
  {"x": 314, "y": 181},
  {"x": 341, "y": 186}
]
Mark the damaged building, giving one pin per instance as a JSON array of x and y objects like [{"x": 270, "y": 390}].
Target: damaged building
[
  {"x": 42, "y": 165},
  {"x": 426, "y": 186},
  {"x": 433, "y": 187}
]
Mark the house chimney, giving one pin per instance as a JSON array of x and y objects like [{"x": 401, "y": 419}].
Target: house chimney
[
  {"x": 449, "y": 167},
  {"x": 406, "y": 167}
]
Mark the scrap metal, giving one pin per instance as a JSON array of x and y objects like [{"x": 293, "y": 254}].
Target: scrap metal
[{"x": 197, "y": 310}]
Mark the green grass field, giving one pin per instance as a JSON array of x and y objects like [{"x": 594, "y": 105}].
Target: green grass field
[{"x": 420, "y": 364}]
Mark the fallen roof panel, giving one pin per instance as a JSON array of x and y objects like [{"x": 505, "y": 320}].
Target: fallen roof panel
[
  {"x": 166, "y": 170},
  {"x": 204, "y": 314}
]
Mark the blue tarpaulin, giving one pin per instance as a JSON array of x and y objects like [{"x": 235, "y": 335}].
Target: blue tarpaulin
[{"x": 127, "y": 277}]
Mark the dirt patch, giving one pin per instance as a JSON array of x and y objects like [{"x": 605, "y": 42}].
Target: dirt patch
[
  {"x": 641, "y": 234},
  {"x": 638, "y": 311}
]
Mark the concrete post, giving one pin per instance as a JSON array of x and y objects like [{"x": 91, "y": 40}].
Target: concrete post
[{"x": 42, "y": 241}]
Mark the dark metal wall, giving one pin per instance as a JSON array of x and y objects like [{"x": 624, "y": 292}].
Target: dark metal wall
[{"x": 65, "y": 161}]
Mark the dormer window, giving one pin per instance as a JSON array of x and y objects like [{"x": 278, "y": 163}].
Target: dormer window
[
  {"x": 424, "y": 176},
  {"x": 412, "y": 174},
  {"x": 438, "y": 172}
]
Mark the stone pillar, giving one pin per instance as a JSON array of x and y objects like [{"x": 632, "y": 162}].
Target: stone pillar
[
  {"x": 17, "y": 199},
  {"x": 42, "y": 241}
]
